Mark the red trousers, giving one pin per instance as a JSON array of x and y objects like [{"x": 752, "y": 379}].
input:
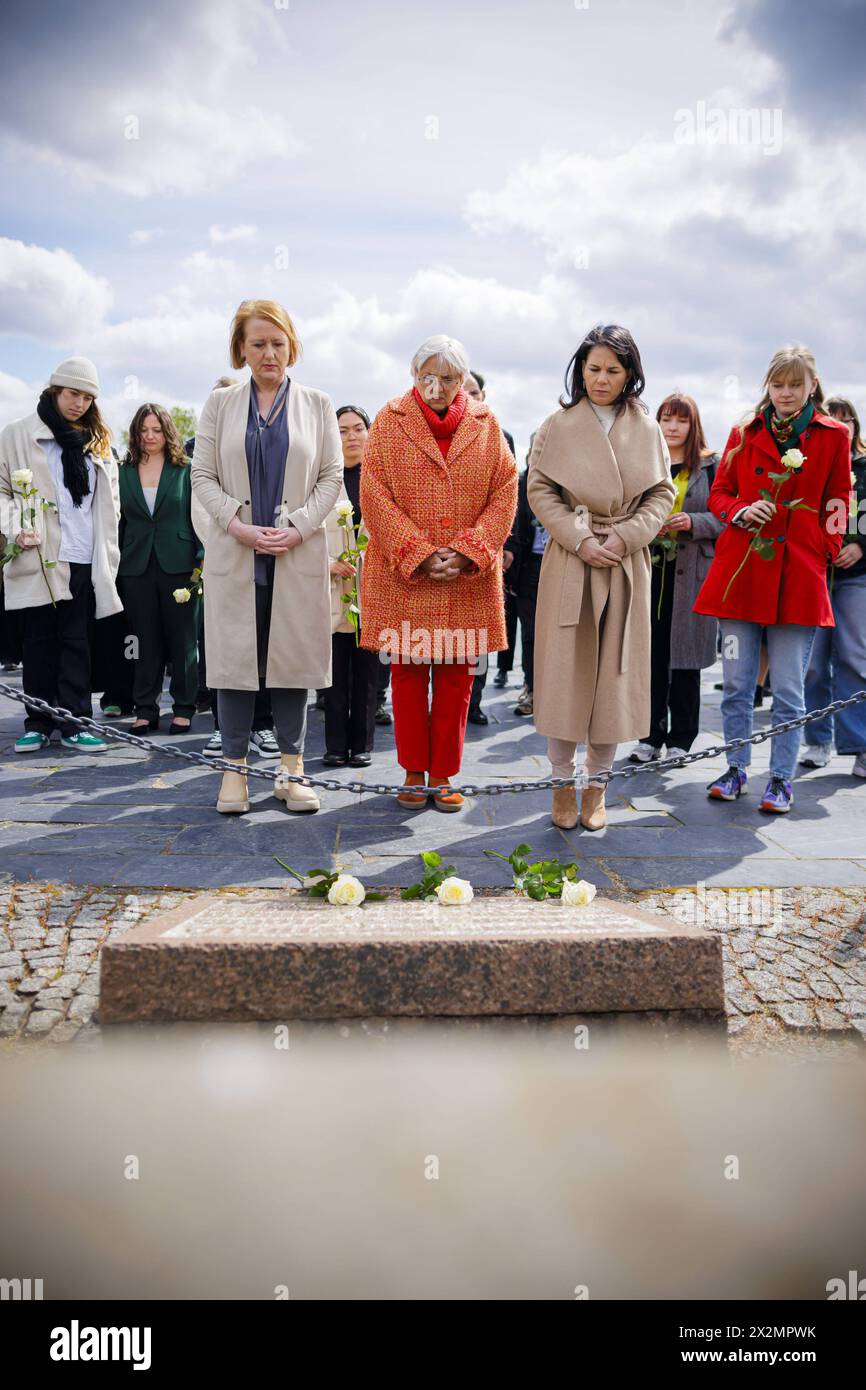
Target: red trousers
[{"x": 429, "y": 735}]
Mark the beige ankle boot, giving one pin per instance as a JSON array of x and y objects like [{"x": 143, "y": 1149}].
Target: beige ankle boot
[
  {"x": 296, "y": 797},
  {"x": 233, "y": 797},
  {"x": 564, "y": 808},
  {"x": 592, "y": 812}
]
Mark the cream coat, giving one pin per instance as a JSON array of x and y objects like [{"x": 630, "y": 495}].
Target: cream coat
[
  {"x": 299, "y": 646},
  {"x": 24, "y": 585},
  {"x": 592, "y": 679}
]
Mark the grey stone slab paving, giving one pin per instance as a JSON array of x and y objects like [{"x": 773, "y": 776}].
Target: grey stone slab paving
[{"x": 139, "y": 820}]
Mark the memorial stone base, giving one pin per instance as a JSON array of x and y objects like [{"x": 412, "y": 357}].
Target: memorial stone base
[{"x": 285, "y": 956}]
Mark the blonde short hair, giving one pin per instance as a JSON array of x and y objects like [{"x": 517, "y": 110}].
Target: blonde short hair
[{"x": 261, "y": 309}]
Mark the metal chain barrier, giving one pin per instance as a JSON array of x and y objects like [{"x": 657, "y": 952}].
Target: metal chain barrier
[{"x": 386, "y": 789}]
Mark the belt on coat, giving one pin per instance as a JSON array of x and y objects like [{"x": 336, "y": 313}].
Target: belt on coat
[{"x": 574, "y": 582}]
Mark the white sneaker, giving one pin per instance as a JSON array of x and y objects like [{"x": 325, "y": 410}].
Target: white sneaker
[
  {"x": 263, "y": 742},
  {"x": 644, "y": 753},
  {"x": 816, "y": 755},
  {"x": 859, "y": 767},
  {"x": 214, "y": 746},
  {"x": 676, "y": 752}
]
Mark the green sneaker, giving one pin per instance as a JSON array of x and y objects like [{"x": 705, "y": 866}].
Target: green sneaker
[
  {"x": 31, "y": 743},
  {"x": 112, "y": 712},
  {"x": 85, "y": 743}
]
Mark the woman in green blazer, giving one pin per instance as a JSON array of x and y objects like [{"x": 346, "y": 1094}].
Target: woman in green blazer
[{"x": 158, "y": 552}]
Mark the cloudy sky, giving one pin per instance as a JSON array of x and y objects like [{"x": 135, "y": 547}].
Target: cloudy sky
[{"x": 509, "y": 173}]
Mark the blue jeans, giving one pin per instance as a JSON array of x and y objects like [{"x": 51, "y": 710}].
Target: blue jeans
[
  {"x": 789, "y": 646},
  {"x": 838, "y": 667}
]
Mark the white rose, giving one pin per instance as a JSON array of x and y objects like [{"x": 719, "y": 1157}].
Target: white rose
[
  {"x": 181, "y": 595},
  {"x": 22, "y": 477},
  {"x": 578, "y": 894},
  {"x": 792, "y": 458},
  {"x": 346, "y": 891},
  {"x": 345, "y": 512},
  {"x": 453, "y": 892}
]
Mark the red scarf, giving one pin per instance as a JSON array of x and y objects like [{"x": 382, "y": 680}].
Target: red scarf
[{"x": 442, "y": 427}]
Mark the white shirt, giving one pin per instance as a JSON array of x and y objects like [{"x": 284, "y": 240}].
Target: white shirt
[
  {"x": 76, "y": 523},
  {"x": 150, "y": 497}
]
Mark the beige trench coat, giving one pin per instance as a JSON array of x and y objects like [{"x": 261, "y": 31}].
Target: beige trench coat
[
  {"x": 299, "y": 646},
  {"x": 592, "y": 677},
  {"x": 25, "y": 585}
]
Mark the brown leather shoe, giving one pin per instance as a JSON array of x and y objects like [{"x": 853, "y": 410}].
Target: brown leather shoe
[
  {"x": 444, "y": 798},
  {"x": 564, "y": 808},
  {"x": 413, "y": 779},
  {"x": 592, "y": 812}
]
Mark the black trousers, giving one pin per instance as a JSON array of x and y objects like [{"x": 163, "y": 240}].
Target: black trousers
[
  {"x": 165, "y": 631},
  {"x": 56, "y": 654},
  {"x": 675, "y": 696},
  {"x": 111, "y": 661},
  {"x": 527, "y": 601},
  {"x": 505, "y": 659},
  {"x": 351, "y": 699}
]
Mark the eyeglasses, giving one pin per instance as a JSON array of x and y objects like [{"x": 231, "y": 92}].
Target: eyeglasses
[{"x": 429, "y": 377}]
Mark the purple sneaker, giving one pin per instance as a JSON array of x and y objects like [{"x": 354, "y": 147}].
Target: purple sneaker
[
  {"x": 729, "y": 786},
  {"x": 778, "y": 796}
]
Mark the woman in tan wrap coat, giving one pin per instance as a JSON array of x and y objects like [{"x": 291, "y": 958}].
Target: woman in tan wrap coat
[{"x": 599, "y": 483}]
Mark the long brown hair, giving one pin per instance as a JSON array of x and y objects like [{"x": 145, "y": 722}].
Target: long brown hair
[
  {"x": 173, "y": 446},
  {"x": 791, "y": 364},
  {"x": 683, "y": 407},
  {"x": 91, "y": 424},
  {"x": 839, "y": 407}
]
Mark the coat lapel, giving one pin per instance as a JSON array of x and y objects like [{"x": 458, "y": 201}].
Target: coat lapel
[
  {"x": 164, "y": 486},
  {"x": 415, "y": 426},
  {"x": 465, "y": 434},
  {"x": 233, "y": 444}
]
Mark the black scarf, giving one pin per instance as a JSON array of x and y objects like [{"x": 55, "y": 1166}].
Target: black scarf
[{"x": 71, "y": 440}]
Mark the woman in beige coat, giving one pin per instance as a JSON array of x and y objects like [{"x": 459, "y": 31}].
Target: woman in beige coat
[
  {"x": 599, "y": 483},
  {"x": 266, "y": 471},
  {"x": 59, "y": 510}
]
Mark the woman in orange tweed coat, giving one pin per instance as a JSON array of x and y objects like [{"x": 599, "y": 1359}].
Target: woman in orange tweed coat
[{"x": 438, "y": 495}]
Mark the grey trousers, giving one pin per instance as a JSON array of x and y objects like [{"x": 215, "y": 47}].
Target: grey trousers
[{"x": 236, "y": 708}]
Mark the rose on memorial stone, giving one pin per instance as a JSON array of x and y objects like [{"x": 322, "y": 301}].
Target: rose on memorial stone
[
  {"x": 346, "y": 891},
  {"x": 578, "y": 894},
  {"x": 454, "y": 892}
]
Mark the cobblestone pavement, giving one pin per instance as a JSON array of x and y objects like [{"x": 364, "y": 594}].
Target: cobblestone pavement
[{"x": 794, "y": 960}]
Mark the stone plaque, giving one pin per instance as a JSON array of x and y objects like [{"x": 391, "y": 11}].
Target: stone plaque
[{"x": 280, "y": 954}]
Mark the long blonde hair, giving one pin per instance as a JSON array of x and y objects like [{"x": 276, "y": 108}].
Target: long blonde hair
[{"x": 792, "y": 364}]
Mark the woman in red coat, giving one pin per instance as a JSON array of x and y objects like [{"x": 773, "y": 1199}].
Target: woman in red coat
[{"x": 782, "y": 491}]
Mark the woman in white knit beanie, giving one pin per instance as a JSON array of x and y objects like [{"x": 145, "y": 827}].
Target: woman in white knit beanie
[{"x": 59, "y": 514}]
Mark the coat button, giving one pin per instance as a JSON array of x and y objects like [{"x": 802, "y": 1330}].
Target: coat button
[
  {"x": 444, "y": 520},
  {"x": 759, "y": 470},
  {"x": 724, "y": 516},
  {"x": 780, "y": 538}
]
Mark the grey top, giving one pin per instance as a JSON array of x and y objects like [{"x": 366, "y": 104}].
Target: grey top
[
  {"x": 267, "y": 446},
  {"x": 150, "y": 497}
]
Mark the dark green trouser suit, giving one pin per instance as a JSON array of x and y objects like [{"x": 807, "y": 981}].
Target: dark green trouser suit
[{"x": 157, "y": 555}]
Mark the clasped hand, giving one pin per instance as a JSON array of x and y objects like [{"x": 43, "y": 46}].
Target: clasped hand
[
  {"x": 444, "y": 564},
  {"x": 265, "y": 540},
  {"x": 603, "y": 550}
]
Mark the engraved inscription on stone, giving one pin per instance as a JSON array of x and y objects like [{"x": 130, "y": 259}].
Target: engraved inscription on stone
[{"x": 493, "y": 919}]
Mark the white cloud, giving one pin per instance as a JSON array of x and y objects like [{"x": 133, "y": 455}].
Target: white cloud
[
  {"x": 245, "y": 232},
  {"x": 203, "y": 261},
  {"x": 48, "y": 295},
  {"x": 145, "y": 235}
]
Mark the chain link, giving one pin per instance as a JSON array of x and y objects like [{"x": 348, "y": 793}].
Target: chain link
[{"x": 331, "y": 784}]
